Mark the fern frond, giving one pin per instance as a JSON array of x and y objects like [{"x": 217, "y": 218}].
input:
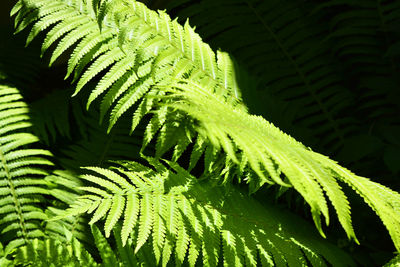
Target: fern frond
[
  {"x": 280, "y": 45},
  {"x": 176, "y": 210},
  {"x": 64, "y": 188},
  {"x": 51, "y": 252},
  {"x": 153, "y": 42},
  {"x": 171, "y": 67},
  {"x": 265, "y": 148},
  {"x": 21, "y": 173}
]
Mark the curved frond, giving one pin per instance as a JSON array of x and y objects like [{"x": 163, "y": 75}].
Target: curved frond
[
  {"x": 188, "y": 218},
  {"x": 271, "y": 153},
  {"x": 146, "y": 43},
  {"x": 280, "y": 44},
  {"x": 159, "y": 67}
]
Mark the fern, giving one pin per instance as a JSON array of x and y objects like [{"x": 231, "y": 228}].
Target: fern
[
  {"x": 188, "y": 218},
  {"x": 63, "y": 187},
  {"x": 21, "y": 173},
  {"x": 325, "y": 70},
  {"x": 395, "y": 262},
  {"x": 283, "y": 50},
  {"x": 192, "y": 50},
  {"x": 249, "y": 134},
  {"x": 51, "y": 252},
  {"x": 163, "y": 69}
]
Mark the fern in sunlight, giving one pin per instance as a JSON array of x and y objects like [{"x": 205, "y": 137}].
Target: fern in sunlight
[
  {"x": 22, "y": 168},
  {"x": 162, "y": 69},
  {"x": 310, "y": 173},
  {"x": 279, "y": 43},
  {"x": 326, "y": 70},
  {"x": 185, "y": 218}
]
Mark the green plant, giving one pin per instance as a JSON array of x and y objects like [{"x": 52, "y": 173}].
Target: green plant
[{"x": 173, "y": 191}]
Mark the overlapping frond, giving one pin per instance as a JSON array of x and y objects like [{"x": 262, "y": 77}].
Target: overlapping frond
[
  {"x": 162, "y": 68},
  {"x": 64, "y": 188},
  {"x": 271, "y": 153},
  {"x": 281, "y": 46},
  {"x": 186, "y": 218},
  {"x": 136, "y": 46},
  {"x": 21, "y": 173}
]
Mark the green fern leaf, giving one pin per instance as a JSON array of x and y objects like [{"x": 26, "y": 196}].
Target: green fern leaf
[
  {"x": 146, "y": 220},
  {"x": 70, "y": 39},
  {"x": 179, "y": 213},
  {"x": 158, "y": 233},
  {"x": 49, "y": 17},
  {"x": 115, "y": 73},
  {"x": 100, "y": 64},
  {"x": 115, "y": 213},
  {"x": 130, "y": 217},
  {"x": 62, "y": 28},
  {"x": 86, "y": 50},
  {"x": 183, "y": 74},
  {"x": 21, "y": 173},
  {"x": 128, "y": 100}
]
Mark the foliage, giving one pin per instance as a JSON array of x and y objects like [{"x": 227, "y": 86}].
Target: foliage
[
  {"x": 182, "y": 105},
  {"x": 22, "y": 186},
  {"x": 50, "y": 252},
  {"x": 394, "y": 262},
  {"x": 177, "y": 210}
]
